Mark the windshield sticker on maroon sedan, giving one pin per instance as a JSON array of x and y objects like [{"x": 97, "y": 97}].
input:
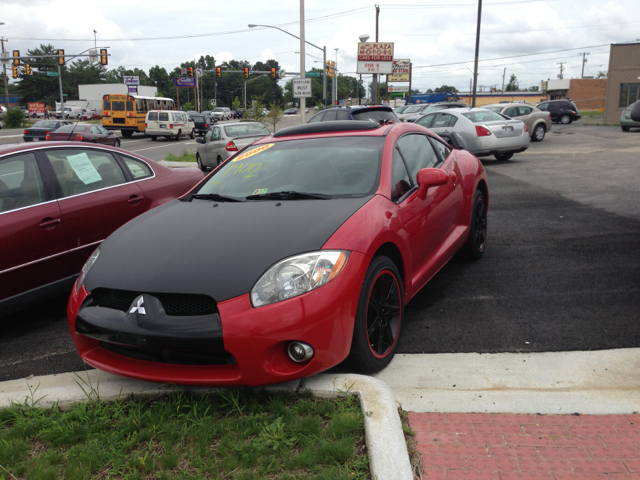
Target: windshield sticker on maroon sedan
[
  {"x": 260, "y": 191},
  {"x": 84, "y": 168},
  {"x": 245, "y": 168},
  {"x": 253, "y": 152}
]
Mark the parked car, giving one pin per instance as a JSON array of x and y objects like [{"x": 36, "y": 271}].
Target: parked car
[
  {"x": 206, "y": 113},
  {"x": 290, "y": 111},
  {"x": 296, "y": 254},
  {"x": 626, "y": 123},
  {"x": 38, "y": 131},
  {"x": 223, "y": 141},
  {"x": 239, "y": 113},
  {"x": 399, "y": 110},
  {"x": 375, "y": 114},
  {"x": 435, "y": 107},
  {"x": 538, "y": 122},
  {"x": 479, "y": 131},
  {"x": 561, "y": 111},
  {"x": 91, "y": 115},
  {"x": 191, "y": 113},
  {"x": 84, "y": 132},
  {"x": 413, "y": 110},
  {"x": 222, "y": 113},
  {"x": 169, "y": 124},
  {"x": 58, "y": 201},
  {"x": 69, "y": 112},
  {"x": 202, "y": 124}
]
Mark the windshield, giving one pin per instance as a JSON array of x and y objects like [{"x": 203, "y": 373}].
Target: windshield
[
  {"x": 413, "y": 109},
  {"x": 246, "y": 129},
  {"x": 483, "y": 116},
  {"x": 218, "y": 109},
  {"x": 340, "y": 167},
  {"x": 374, "y": 115}
]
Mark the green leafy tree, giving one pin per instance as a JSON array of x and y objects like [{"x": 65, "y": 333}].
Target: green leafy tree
[
  {"x": 445, "y": 88},
  {"x": 42, "y": 88},
  {"x": 255, "y": 113},
  {"x": 275, "y": 115},
  {"x": 14, "y": 118},
  {"x": 512, "y": 86},
  {"x": 187, "y": 106},
  {"x": 236, "y": 104}
]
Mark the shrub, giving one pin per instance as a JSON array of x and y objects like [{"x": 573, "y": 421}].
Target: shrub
[{"x": 14, "y": 118}]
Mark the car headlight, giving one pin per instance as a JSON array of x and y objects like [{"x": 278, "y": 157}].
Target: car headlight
[
  {"x": 85, "y": 268},
  {"x": 297, "y": 275}
]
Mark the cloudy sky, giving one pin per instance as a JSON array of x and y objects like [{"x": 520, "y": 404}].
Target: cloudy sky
[{"x": 437, "y": 35}]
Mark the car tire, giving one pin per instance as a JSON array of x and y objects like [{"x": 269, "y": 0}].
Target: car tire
[
  {"x": 179, "y": 136},
  {"x": 565, "y": 119},
  {"x": 474, "y": 248},
  {"x": 192, "y": 136},
  {"x": 379, "y": 317},
  {"x": 219, "y": 160},
  {"x": 116, "y": 143},
  {"x": 200, "y": 164},
  {"x": 154, "y": 137},
  {"x": 538, "y": 133},
  {"x": 625, "y": 129},
  {"x": 503, "y": 156},
  {"x": 126, "y": 133}
]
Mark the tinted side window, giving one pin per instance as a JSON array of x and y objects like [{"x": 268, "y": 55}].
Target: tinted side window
[
  {"x": 444, "y": 120},
  {"x": 426, "y": 120},
  {"x": 543, "y": 106},
  {"x": 524, "y": 110},
  {"x": 330, "y": 115},
  {"x": 81, "y": 171},
  {"x": 442, "y": 148},
  {"x": 106, "y": 105},
  {"x": 316, "y": 118},
  {"x": 417, "y": 153},
  {"x": 343, "y": 115},
  {"x": 511, "y": 112},
  {"x": 400, "y": 181},
  {"x": 20, "y": 182},
  {"x": 163, "y": 116},
  {"x": 153, "y": 116},
  {"x": 137, "y": 168}
]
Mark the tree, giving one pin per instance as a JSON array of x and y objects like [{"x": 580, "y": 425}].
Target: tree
[
  {"x": 602, "y": 74},
  {"x": 33, "y": 88},
  {"x": 445, "y": 88},
  {"x": 275, "y": 115},
  {"x": 512, "y": 86},
  {"x": 236, "y": 104},
  {"x": 255, "y": 113},
  {"x": 14, "y": 117},
  {"x": 428, "y": 91},
  {"x": 535, "y": 88}
]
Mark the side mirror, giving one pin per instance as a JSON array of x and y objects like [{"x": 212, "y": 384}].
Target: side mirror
[
  {"x": 635, "y": 112},
  {"x": 199, "y": 140},
  {"x": 430, "y": 177}
]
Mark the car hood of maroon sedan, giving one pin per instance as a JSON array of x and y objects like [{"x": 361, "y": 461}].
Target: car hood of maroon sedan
[{"x": 218, "y": 249}]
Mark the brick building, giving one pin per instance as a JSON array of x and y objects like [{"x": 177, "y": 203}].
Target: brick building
[
  {"x": 586, "y": 93},
  {"x": 623, "y": 79}
]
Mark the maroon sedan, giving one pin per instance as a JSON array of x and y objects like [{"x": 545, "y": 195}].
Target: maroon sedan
[
  {"x": 93, "y": 115},
  {"x": 59, "y": 201},
  {"x": 85, "y": 132}
]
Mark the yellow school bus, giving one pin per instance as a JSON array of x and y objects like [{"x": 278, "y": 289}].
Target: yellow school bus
[{"x": 128, "y": 112}]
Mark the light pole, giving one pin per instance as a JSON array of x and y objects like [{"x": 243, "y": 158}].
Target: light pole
[
  {"x": 324, "y": 62},
  {"x": 4, "y": 67},
  {"x": 363, "y": 38},
  {"x": 335, "y": 80},
  {"x": 95, "y": 41}
]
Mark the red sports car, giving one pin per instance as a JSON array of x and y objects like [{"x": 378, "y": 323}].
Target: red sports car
[
  {"x": 84, "y": 132},
  {"x": 58, "y": 201},
  {"x": 295, "y": 254}
]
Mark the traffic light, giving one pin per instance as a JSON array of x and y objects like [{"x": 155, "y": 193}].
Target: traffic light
[
  {"x": 329, "y": 68},
  {"x": 61, "y": 57},
  {"x": 27, "y": 69},
  {"x": 15, "y": 71},
  {"x": 273, "y": 73},
  {"x": 16, "y": 61},
  {"x": 336, "y": 102},
  {"x": 104, "y": 59},
  {"x": 218, "y": 72},
  {"x": 191, "y": 72},
  {"x": 246, "y": 73}
]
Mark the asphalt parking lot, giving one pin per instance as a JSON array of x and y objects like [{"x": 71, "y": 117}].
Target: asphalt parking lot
[{"x": 561, "y": 271}]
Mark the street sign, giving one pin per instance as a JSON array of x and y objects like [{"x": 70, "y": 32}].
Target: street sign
[
  {"x": 400, "y": 71},
  {"x": 198, "y": 72},
  {"x": 213, "y": 102},
  {"x": 301, "y": 87},
  {"x": 312, "y": 74},
  {"x": 52, "y": 74},
  {"x": 398, "y": 88},
  {"x": 375, "y": 57},
  {"x": 183, "y": 71},
  {"x": 132, "y": 80}
]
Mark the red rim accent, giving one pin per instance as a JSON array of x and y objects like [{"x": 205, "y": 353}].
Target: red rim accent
[{"x": 395, "y": 338}]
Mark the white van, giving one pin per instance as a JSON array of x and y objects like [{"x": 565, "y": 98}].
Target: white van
[
  {"x": 70, "y": 112},
  {"x": 169, "y": 124}
]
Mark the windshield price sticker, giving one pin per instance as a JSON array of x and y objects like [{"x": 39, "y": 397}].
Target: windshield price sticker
[{"x": 253, "y": 152}]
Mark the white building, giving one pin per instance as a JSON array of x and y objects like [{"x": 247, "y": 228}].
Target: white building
[{"x": 92, "y": 94}]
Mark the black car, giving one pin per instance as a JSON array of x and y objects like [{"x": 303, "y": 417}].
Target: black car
[
  {"x": 561, "y": 111},
  {"x": 39, "y": 131},
  {"x": 374, "y": 113},
  {"x": 239, "y": 113},
  {"x": 290, "y": 111},
  {"x": 202, "y": 123}
]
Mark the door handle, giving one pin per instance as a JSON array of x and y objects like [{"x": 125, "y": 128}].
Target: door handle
[
  {"x": 135, "y": 199},
  {"x": 49, "y": 222}
]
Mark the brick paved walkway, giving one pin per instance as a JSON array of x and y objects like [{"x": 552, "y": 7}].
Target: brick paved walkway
[{"x": 471, "y": 446}]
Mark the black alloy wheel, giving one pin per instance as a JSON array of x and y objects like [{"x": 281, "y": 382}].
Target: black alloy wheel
[
  {"x": 625, "y": 129},
  {"x": 179, "y": 136},
  {"x": 538, "y": 133},
  {"x": 192, "y": 136},
  {"x": 474, "y": 248},
  {"x": 503, "y": 156},
  {"x": 565, "y": 119},
  {"x": 379, "y": 317}
]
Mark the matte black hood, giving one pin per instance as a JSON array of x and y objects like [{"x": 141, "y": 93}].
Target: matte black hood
[{"x": 194, "y": 247}]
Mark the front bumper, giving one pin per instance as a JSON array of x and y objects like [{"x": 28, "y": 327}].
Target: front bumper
[{"x": 255, "y": 339}]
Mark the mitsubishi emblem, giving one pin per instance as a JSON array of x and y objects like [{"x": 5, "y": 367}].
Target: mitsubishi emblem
[{"x": 139, "y": 306}]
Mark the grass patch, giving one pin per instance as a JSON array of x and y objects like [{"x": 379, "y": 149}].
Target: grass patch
[
  {"x": 232, "y": 435},
  {"x": 185, "y": 156}
]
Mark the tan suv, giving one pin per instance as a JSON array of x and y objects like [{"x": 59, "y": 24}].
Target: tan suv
[{"x": 538, "y": 122}]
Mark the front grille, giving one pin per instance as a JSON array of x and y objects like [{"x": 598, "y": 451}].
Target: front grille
[
  {"x": 174, "y": 304},
  {"x": 171, "y": 356},
  {"x": 119, "y": 120}
]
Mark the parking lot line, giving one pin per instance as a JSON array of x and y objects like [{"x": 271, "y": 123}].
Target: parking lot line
[{"x": 161, "y": 146}]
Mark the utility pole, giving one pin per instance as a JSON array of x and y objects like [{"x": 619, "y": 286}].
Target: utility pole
[
  {"x": 503, "y": 74},
  {"x": 475, "y": 62},
  {"x": 584, "y": 60},
  {"x": 6, "y": 83},
  {"x": 560, "y": 76},
  {"x": 410, "y": 72},
  {"x": 302, "y": 59},
  {"x": 374, "y": 96}
]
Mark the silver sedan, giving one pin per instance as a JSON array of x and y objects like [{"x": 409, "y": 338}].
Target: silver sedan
[
  {"x": 481, "y": 132},
  {"x": 222, "y": 141}
]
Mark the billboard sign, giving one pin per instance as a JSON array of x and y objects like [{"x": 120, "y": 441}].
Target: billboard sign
[
  {"x": 131, "y": 80},
  {"x": 375, "y": 57},
  {"x": 184, "y": 82},
  {"x": 36, "y": 107},
  {"x": 401, "y": 71}
]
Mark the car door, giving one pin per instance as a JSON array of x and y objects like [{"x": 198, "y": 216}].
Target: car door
[
  {"x": 32, "y": 234},
  {"x": 427, "y": 120},
  {"x": 94, "y": 197},
  {"x": 553, "y": 110},
  {"x": 426, "y": 223},
  {"x": 443, "y": 123},
  {"x": 214, "y": 146},
  {"x": 99, "y": 137}
]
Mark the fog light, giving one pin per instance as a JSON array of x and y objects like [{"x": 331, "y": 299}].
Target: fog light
[{"x": 300, "y": 352}]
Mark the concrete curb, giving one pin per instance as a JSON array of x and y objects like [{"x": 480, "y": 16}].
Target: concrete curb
[{"x": 387, "y": 449}]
